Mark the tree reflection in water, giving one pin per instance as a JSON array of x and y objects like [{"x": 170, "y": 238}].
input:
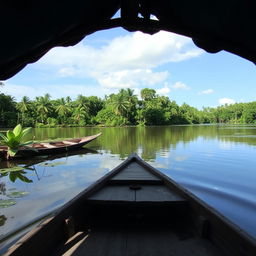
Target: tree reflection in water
[{"x": 2, "y": 220}]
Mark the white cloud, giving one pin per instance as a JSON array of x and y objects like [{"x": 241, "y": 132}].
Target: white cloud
[
  {"x": 66, "y": 72},
  {"x": 131, "y": 78},
  {"x": 224, "y": 101},
  {"x": 163, "y": 91},
  {"x": 181, "y": 158},
  {"x": 208, "y": 91},
  {"x": 18, "y": 91},
  {"x": 125, "y": 61},
  {"x": 55, "y": 90},
  {"x": 180, "y": 85}
]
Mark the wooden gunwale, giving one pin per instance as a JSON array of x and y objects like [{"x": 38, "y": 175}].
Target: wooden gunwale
[{"x": 50, "y": 147}]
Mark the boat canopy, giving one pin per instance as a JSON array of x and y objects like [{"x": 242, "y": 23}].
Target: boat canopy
[{"x": 29, "y": 29}]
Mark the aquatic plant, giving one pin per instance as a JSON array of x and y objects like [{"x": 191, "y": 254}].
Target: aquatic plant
[
  {"x": 15, "y": 173},
  {"x": 13, "y": 139},
  {"x": 7, "y": 203}
]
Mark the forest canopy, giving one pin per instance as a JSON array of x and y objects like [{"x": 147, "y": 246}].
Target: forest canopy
[{"x": 120, "y": 109}]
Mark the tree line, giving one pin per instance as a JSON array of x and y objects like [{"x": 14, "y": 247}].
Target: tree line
[{"x": 120, "y": 109}]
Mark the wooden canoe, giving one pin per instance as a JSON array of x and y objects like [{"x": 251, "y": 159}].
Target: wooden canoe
[
  {"x": 136, "y": 210},
  {"x": 49, "y": 148}
]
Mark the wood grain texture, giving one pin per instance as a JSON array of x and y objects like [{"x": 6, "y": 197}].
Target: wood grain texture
[
  {"x": 114, "y": 193},
  {"x": 156, "y": 193},
  {"x": 150, "y": 241},
  {"x": 134, "y": 171}
]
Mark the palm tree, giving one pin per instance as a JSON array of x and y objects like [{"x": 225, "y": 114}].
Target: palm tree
[
  {"x": 81, "y": 101},
  {"x": 119, "y": 104},
  {"x": 47, "y": 96},
  {"x": 23, "y": 107},
  {"x": 43, "y": 106},
  {"x": 62, "y": 109},
  {"x": 79, "y": 113},
  {"x": 68, "y": 100},
  {"x": 147, "y": 94}
]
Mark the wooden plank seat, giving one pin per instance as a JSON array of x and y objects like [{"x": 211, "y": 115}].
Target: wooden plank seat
[{"x": 154, "y": 194}]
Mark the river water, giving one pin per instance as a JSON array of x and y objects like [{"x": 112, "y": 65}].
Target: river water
[{"x": 216, "y": 162}]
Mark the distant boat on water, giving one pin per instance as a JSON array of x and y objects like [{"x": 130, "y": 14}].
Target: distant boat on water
[{"x": 48, "y": 148}]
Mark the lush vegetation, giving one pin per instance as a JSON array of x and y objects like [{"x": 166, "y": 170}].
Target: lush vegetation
[
  {"x": 14, "y": 139},
  {"x": 123, "y": 108}
]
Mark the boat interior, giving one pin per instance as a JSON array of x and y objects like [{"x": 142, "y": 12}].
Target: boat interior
[{"x": 134, "y": 214}]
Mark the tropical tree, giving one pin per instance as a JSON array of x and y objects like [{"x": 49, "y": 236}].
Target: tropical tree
[
  {"x": 62, "y": 109},
  {"x": 23, "y": 107},
  {"x": 249, "y": 114},
  {"x": 94, "y": 104},
  {"x": 132, "y": 99},
  {"x": 8, "y": 115},
  {"x": 82, "y": 101},
  {"x": 43, "y": 106},
  {"x": 119, "y": 104},
  {"x": 79, "y": 114},
  {"x": 68, "y": 100},
  {"x": 140, "y": 117},
  {"x": 147, "y": 94}
]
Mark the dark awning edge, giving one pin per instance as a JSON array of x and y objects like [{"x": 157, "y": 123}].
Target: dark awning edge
[{"x": 29, "y": 32}]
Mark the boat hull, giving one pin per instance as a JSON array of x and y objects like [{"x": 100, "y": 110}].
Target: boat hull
[{"x": 50, "y": 148}]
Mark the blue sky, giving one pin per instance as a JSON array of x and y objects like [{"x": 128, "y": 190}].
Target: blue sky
[{"x": 107, "y": 61}]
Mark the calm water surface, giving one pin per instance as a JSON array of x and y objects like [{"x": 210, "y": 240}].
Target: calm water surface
[{"x": 217, "y": 163}]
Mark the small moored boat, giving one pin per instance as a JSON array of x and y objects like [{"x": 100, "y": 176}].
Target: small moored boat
[
  {"x": 48, "y": 148},
  {"x": 136, "y": 210}
]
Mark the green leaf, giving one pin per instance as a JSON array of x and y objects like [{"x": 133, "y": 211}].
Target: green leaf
[
  {"x": 2, "y": 220},
  {"x": 3, "y": 174},
  {"x": 23, "y": 178},
  {"x": 17, "y": 130},
  {"x": 13, "y": 169},
  {"x": 27, "y": 143},
  {"x": 7, "y": 203},
  {"x": 10, "y": 135},
  {"x": 12, "y": 151},
  {"x": 13, "y": 139},
  {"x": 26, "y": 131},
  {"x": 52, "y": 164},
  {"x": 3, "y": 136},
  {"x": 17, "y": 194},
  {"x": 12, "y": 176}
]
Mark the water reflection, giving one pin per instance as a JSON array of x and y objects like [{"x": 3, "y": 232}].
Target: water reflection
[
  {"x": 123, "y": 141},
  {"x": 215, "y": 162},
  {"x": 2, "y": 220},
  {"x": 16, "y": 174},
  {"x": 2, "y": 188}
]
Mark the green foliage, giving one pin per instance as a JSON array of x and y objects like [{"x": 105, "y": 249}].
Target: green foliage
[
  {"x": 17, "y": 194},
  {"x": 154, "y": 116},
  {"x": 147, "y": 94},
  {"x": 107, "y": 117},
  {"x": 122, "y": 108},
  {"x": 8, "y": 115},
  {"x": 7, "y": 203},
  {"x": 2, "y": 217},
  {"x": 13, "y": 139},
  {"x": 15, "y": 173}
]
